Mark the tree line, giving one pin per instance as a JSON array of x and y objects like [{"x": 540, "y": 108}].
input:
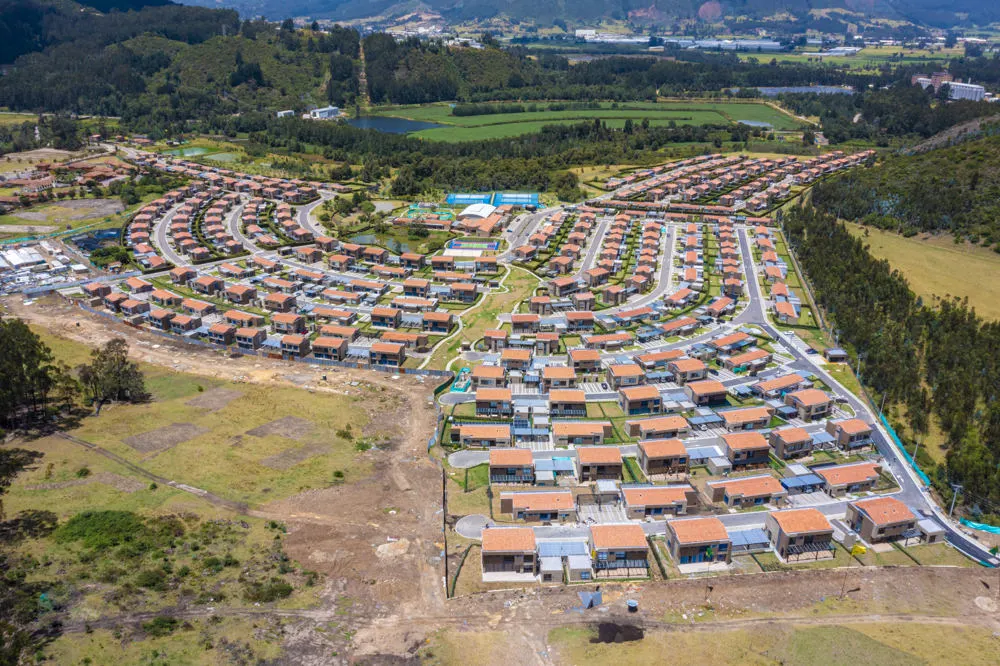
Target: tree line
[{"x": 930, "y": 360}]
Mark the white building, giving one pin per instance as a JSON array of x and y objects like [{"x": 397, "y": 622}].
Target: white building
[
  {"x": 285, "y": 114},
  {"x": 477, "y": 211},
  {"x": 324, "y": 113},
  {"x": 970, "y": 91}
]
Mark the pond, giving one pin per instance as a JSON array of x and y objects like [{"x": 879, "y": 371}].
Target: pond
[
  {"x": 391, "y": 244},
  {"x": 391, "y": 125},
  {"x": 193, "y": 151},
  {"x": 224, "y": 157}
]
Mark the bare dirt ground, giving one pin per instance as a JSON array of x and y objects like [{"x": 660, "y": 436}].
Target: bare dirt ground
[
  {"x": 214, "y": 399},
  {"x": 379, "y": 542},
  {"x": 167, "y": 437},
  {"x": 28, "y": 228},
  {"x": 88, "y": 208}
]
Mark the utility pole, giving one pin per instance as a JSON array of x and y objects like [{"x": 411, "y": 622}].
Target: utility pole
[{"x": 955, "y": 488}]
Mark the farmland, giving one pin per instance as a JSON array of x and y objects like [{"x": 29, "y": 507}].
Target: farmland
[{"x": 500, "y": 125}]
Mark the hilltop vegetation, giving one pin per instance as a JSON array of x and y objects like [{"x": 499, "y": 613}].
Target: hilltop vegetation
[{"x": 954, "y": 190}]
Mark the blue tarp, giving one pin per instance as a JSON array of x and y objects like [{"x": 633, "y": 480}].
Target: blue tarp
[{"x": 980, "y": 526}]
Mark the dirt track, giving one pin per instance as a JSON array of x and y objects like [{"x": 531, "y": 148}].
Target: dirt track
[{"x": 379, "y": 541}]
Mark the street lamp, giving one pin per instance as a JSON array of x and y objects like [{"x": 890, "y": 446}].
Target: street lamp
[{"x": 955, "y": 488}]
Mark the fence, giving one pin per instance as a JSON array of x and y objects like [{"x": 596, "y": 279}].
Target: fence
[{"x": 899, "y": 445}]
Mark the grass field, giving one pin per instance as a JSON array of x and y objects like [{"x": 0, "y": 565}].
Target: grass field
[
  {"x": 681, "y": 112},
  {"x": 17, "y": 118},
  {"x": 868, "y": 59},
  {"x": 936, "y": 266},
  {"x": 869, "y": 643}
]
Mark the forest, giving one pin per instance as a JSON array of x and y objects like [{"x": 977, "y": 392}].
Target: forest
[
  {"x": 954, "y": 190},
  {"x": 929, "y": 360}
]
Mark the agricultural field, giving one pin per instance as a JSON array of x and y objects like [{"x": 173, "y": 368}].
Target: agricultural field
[
  {"x": 937, "y": 266},
  {"x": 869, "y": 59},
  {"x": 680, "y": 112},
  {"x": 8, "y": 118}
]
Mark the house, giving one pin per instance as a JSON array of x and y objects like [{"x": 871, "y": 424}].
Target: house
[
  {"x": 839, "y": 480},
  {"x": 250, "y": 339},
  {"x": 488, "y": 376},
  {"x": 687, "y": 370},
  {"x": 777, "y": 386},
  {"x": 495, "y": 339},
  {"x": 557, "y": 376},
  {"x": 580, "y": 433},
  {"x": 222, "y": 334},
  {"x": 656, "y": 501},
  {"x": 790, "y": 442},
  {"x": 412, "y": 341},
  {"x": 755, "y": 358},
  {"x": 581, "y": 320},
  {"x": 512, "y": 466},
  {"x": 294, "y": 346},
  {"x": 706, "y": 391},
  {"x": 132, "y": 307},
  {"x": 182, "y": 275},
  {"x": 386, "y": 317},
  {"x": 747, "y": 418},
  {"x": 584, "y": 360},
  {"x": 640, "y": 400},
  {"x": 625, "y": 374},
  {"x": 437, "y": 322},
  {"x": 524, "y": 323},
  {"x": 800, "y": 534},
  {"x": 100, "y": 290},
  {"x": 880, "y": 519},
  {"x": 484, "y": 436},
  {"x": 658, "y": 427},
  {"x": 494, "y": 402},
  {"x": 746, "y": 449},
  {"x": 288, "y": 322},
  {"x": 278, "y": 302},
  {"x": 539, "y": 505},
  {"x": 508, "y": 550},
  {"x": 184, "y": 323},
  {"x": 698, "y": 540},
  {"x": 727, "y": 344},
  {"x": 567, "y": 402},
  {"x": 662, "y": 456},
  {"x": 387, "y": 353},
  {"x": 747, "y": 491},
  {"x": 241, "y": 294},
  {"x": 619, "y": 551},
  {"x": 138, "y": 286},
  {"x": 811, "y": 403},
  {"x": 416, "y": 287},
  {"x": 208, "y": 285},
  {"x": 850, "y": 434},
  {"x": 329, "y": 348},
  {"x": 547, "y": 343},
  {"x": 515, "y": 359},
  {"x": 160, "y": 319},
  {"x": 162, "y": 297},
  {"x": 598, "y": 462},
  {"x": 658, "y": 360}
]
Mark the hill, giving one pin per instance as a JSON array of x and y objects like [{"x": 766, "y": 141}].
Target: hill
[
  {"x": 952, "y": 190},
  {"x": 576, "y": 12}
]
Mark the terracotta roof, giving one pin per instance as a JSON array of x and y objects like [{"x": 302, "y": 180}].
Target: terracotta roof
[
  {"x": 793, "y": 434},
  {"x": 885, "y": 510},
  {"x": 484, "y": 431},
  {"x": 853, "y": 426},
  {"x": 626, "y": 370},
  {"x": 493, "y": 394},
  {"x": 705, "y": 387},
  {"x": 387, "y": 348},
  {"x": 544, "y": 500},
  {"x": 628, "y": 536},
  {"x": 778, "y": 383},
  {"x": 810, "y": 397},
  {"x": 672, "y": 422},
  {"x": 687, "y": 365},
  {"x": 848, "y": 474},
  {"x": 741, "y": 441},
  {"x": 488, "y": 371},
  {"x": 798, "y": 521},
  {"x": 745, "y": 415},
  {"x": 511, "y": 457},
  {"x": 656, "y": 495},
  {"x": 515, "y": 355},
  {"x": 752, "y": 486},
  {"x": 669, "y": 355},
  {"x": 508, "y": 539},
  {"x": 598, "y": 455},
  {"x": 585, "y": 355},
  {"x": 567, "y": 395},
  {"x": 663, "y": 448},
  {"x": 558, "y": 372},
  {"x": 579, "y": 428},
  {"x": 729, "y": 339},
  {"x": 698, "y": 530},
  {"x": 640, "y": 392}
]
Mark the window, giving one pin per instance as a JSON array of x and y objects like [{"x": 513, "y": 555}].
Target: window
[
  {"x": 602, "y": 556},
  {"x": 584, "y": 575},
  {"x": 620, "y": 555},
  {"x": 722, "y": 546}
]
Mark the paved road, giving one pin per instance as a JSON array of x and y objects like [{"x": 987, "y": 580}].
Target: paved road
[
  {"x": 517, "y": 234},
  {"x": 305, "y": 220},
  {"x": 160, "y": 229}
]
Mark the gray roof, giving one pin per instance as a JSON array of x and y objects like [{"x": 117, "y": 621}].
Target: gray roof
[
  {"x": 561, "y": 548},
  {"x": 550, "y": 563},
  {"x": 748, "y": 537},
  {"x": 577, "y": 562}
]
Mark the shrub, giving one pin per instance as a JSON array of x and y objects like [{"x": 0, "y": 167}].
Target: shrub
[
  {"x": 161, "y": 626},
  {"x": 272, "y": 590}
]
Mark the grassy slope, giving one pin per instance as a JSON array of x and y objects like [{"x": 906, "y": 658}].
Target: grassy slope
[{"x": 936, "y": 266}]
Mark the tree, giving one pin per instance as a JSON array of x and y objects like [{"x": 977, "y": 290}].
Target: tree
[
  {"x": 28, "y": 371},
  {"x": 808, "y": 138},
  {"x": 112, "y": 376}
]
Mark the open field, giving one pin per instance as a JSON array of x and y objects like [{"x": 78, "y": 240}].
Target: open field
[
  {"x": 681, "y": 112},
  {"x": 8, "y": 118},
  {"x": 883, "y": 643},
  {"x": 868, "y": 59},
  {"x": 936, "y": 266}
]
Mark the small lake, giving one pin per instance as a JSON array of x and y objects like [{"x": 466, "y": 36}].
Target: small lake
[
  {"x": 193, "y": 151},
  {"x": 392, "y": 244},
  {"x": 391, "y": 125},
  {"x": 224, "y": 157}
]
